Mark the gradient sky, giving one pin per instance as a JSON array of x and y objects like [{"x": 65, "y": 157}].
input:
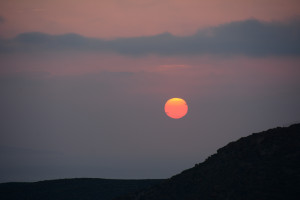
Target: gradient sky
[{"x": 83, "y": 83}]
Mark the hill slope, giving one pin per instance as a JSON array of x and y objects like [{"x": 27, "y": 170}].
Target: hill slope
[
  {"x": 72, "y": 189},
  {"x": 261, "y": 166}
]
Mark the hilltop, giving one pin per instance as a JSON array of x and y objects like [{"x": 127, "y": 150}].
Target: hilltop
[{"x": 261, "y": 166}]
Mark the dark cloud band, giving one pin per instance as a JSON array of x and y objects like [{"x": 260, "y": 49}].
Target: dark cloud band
[{"x": 250, "y": 37}]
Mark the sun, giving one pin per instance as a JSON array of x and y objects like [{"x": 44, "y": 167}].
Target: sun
[{"x": 176, "y": 108}]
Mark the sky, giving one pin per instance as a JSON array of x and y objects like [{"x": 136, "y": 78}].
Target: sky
[{"x": 83, "y": 83}]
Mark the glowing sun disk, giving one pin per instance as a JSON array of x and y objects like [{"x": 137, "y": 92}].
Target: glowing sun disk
[{"x": 176, "y": 108}]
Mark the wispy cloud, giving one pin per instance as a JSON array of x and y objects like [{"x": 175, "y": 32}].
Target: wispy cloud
[{"x": 250, "y": 38}]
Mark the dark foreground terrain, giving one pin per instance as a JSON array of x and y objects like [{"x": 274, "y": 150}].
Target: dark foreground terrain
[
  {"x": 72, "y": 189},
  {"x": 262, "y": 166}
]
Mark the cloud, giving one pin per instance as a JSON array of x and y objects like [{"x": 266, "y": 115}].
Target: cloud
[
  {"x": 2, "y": 20},
  {"x": 249, "y": 37}
]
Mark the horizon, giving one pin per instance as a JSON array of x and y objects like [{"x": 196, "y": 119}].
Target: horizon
[
  {"x": 83, "y": 84},
  {"x": 128, "y": 179}
]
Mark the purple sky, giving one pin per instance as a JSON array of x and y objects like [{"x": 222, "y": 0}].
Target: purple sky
[{"x": 83, "y": 83}]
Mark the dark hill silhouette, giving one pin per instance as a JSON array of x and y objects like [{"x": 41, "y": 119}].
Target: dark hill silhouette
[
  {"x": 72, "y": 189},
  {"x": 264, "y": 166}
]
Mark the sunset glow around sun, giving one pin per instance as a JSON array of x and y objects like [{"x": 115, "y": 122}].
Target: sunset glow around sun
[{"x": 176, "y": 108}]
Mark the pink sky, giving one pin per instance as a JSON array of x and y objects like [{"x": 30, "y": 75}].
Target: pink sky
[
  {"x": 98, "y": 105},
  {"x": 125, "y": 18}
]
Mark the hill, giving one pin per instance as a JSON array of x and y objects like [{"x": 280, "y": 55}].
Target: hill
[
  {"x": 72, "y": 189},
  {"x": 261, "y": 166}
]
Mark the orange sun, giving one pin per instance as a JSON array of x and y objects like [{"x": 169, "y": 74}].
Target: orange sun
[{"x": 176, "y": 108}]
